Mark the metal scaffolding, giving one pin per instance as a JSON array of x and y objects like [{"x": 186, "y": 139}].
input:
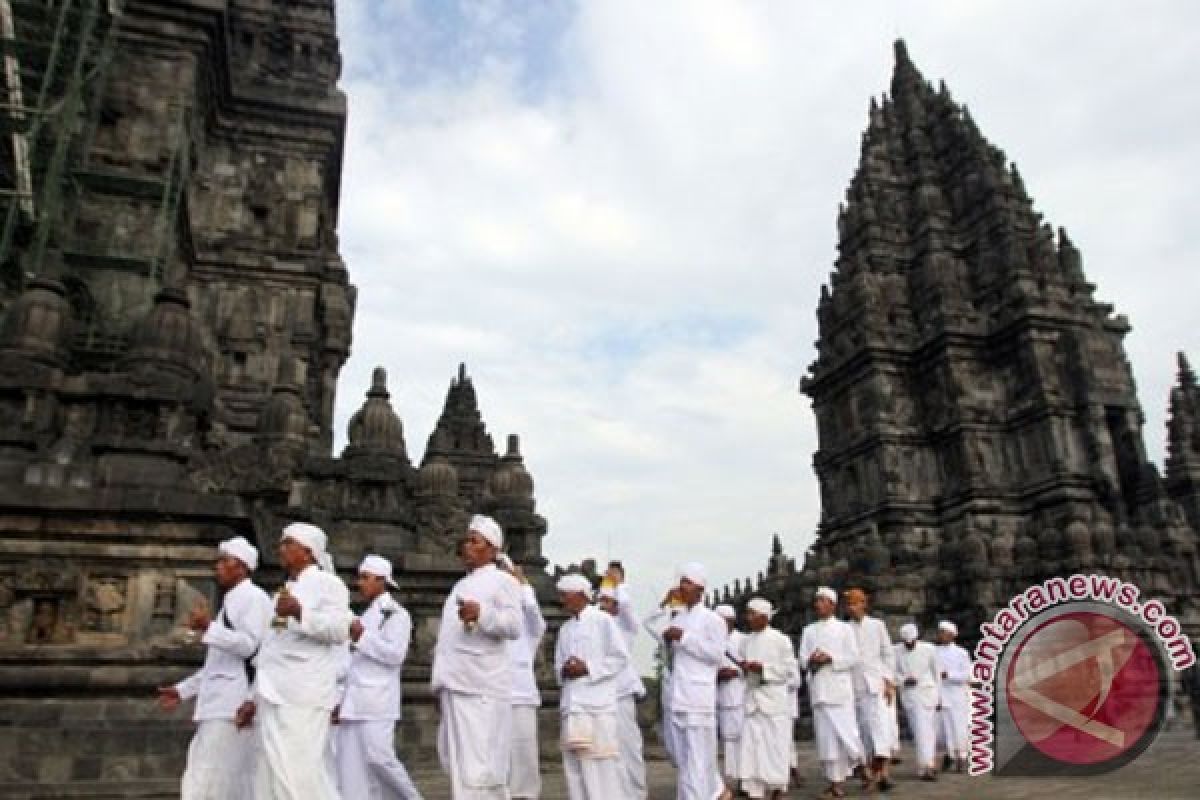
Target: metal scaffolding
[{"x": 55, "y": 54}]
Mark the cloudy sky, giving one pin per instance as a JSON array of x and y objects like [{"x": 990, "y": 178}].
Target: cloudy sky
[{"x": 619, "y": 214}]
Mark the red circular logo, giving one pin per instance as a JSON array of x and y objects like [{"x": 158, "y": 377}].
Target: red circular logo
[{"x": 1084, "y": 688}]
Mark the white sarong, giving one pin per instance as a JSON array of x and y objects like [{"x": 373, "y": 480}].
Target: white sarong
[
  {"x": 475, "y": 745},
  {"x": 525, "y": 777},
  {"x": 838, "y": 744},
  {"x": 292, "y": 759},
  {"x": 633, "y": 764},
  {"x": 922, "y": 722},
  {"x": 591, "y": 756},
  {"x": 367, "y": 762},
  {"x": 955, "y": 719},
  {"x": 695, "y": 738},
  {"x": 220, "y": 762},
  {"x": 875, "y": 716},
  {"x": 766, "y": 753}
]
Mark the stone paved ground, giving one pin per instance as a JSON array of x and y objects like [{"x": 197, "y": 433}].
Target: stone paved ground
[{"x": 1170, "y": 770}]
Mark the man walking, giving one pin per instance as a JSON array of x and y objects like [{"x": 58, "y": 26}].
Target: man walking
[
  {"x": 221, "y": 754},
  {"x": 367, "y": 766}
]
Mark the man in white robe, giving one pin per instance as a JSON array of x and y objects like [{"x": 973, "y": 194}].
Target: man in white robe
[
  {"x": 829, "y": 654},
  {"x": 472, "y": 672},
  {"x": 697, "y": 640},
  {"x": 525, "y": 777},
  {"x": 770, "y": 668},
  {"x": 589, "y": 658},
  {"x": 731, "y": 697},
  {"x": 295, "y": 687},
  {"x": 656, "y": 624},
  {"x": 221, "y": 756},
  {"x": 954, "y": 664},
  {"x": 614, "y": 598},
  {"x": 367, "y": 766},
  {"x": 874, "y": 687},
  {"x": 917, "y": 676}
]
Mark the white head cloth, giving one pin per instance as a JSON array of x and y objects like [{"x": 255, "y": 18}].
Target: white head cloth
[
  {"x": 607, "y": 591},
  {"x": 313, "y": 539},
  {"x": 695, "y": 573},
  {"x": 946, "y": 626},
  {"x": 574, "y": 582},
  {"x": 908, "y": 632},
  {"x": 727, "y": 611},
  {"x": 488, "y": 528},
  {"x": 240, "y": 549},
  {"x": 760, "y": 605},
  {"x": 380, "y": 567},
  {"x": 828, "y": 594}
]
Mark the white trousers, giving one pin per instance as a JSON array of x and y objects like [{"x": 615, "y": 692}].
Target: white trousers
[
  {"x": 955, "y": 719},
  {"x": 595, "y": 773},
  {"x": 695, "y": 737},
  {"x": 629, "y": 737},
  {"x": 220, "y": 762},
  {"x": 766, "y": 755},
  {"x": 838, "y": 744},
  {"x": 475, "y": 745},
  {"x": 524, "y": 775},
  {"x": 730, "y": 724},
  {"x": 367, "y": 766},
  {"x": 922, "y": 721},
  {"x": 292, "y": 762},
  {"x": 875, "y": 716}
]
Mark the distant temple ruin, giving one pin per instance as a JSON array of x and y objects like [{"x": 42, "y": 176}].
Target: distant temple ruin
[{"x": 979, "y": 429}]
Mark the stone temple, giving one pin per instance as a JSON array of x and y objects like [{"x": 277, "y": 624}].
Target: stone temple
[
  {"x": 978, "y": 425},
  {"x": 174, "y": 313}
]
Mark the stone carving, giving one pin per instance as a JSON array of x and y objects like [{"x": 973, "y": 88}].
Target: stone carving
[{"x": 105, "y": 603}]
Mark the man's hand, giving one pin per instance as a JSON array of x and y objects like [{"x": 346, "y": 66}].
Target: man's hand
[
  {"x": 820, "y": 658},
  {"x": 356, "y": 629},
  {"x": 727, "y": 674},
  {"x": 753, "y": 667},
  {"x": 945, "y": 676},
  {"x": 168, "y": 698},
  {"x": 335, "y": 716},
  {"x": 199, "y": 619},
  {"x": 245, "y": 715},
  {"x": 673, "y": 633},
  {"x": 889, "y": 691},
  {"x": 574, "y": 668},
  {"x": 286, "y": 605},
  {"x": 468, "y": 611},
  {"x": 910, "y": 682}
]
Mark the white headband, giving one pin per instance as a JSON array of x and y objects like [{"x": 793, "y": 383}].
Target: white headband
[
  {"x": 760, "y": 606},
  {"x": 574, "y": 582},
  {"x": 946, "y": 626},
  {"x": 695, "y": 573},
  {"x": 313, "y": 539},
  {"x": 379, "y": 567},
  {"x": 242, "y": 550},
  {"x": 828, "y": 594},
  {"x": 908, "y": 632},
  {"x": 488, "y": 529},
  {"x": 726, "y": 611}
]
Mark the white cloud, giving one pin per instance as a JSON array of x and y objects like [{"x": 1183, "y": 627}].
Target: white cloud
[{"x": 620, "y": 214}]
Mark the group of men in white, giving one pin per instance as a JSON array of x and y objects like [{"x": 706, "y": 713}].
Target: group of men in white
[{"x": 298, "y": 698}]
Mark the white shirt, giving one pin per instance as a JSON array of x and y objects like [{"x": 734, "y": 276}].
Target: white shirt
[
  {"x": 233, "y": 636},
  {"x": 593, "y": 638},
  {"x": 920, "y": 663},
  {"x": 770, "y": 692},
  {"x": 373, "y": 678},
  {"x": 695, "y": 659},
  {"x": 629, "y": 683},
  {"x": 522, "y": 651},
  {"x": 476, "y": 661},
  {"x": 877, "y": 658},
  {"x": 731, "y": 694},
  {"x": 832, "y": 683},
  {"x": 298, "y": 664},
  {"x": 955, "y": 662}
]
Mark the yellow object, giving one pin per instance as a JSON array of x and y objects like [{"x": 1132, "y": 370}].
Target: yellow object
[
  {"x": 278, "y": 621},
  {"x": 607, "y": 582}
]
